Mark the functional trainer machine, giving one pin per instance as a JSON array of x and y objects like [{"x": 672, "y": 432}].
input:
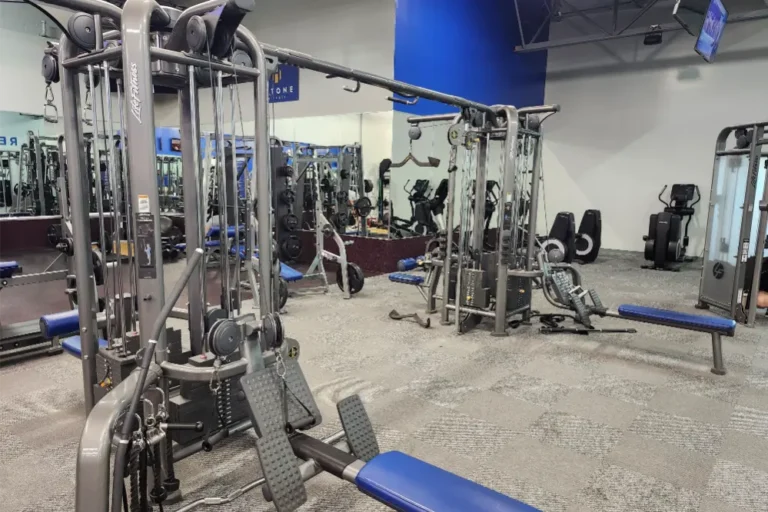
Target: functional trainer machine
[
  {"x": 735, "y": 245},
  {"x": 666, "y": 243},
  {"x": 147, "y": 412}
]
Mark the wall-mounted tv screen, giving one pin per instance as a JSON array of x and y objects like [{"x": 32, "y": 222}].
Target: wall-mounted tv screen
[{"x": 712, "y": 30}]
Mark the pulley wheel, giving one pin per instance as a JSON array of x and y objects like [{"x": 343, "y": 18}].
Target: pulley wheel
[
  {"x": 224, "y": 337},
  {"x": 288, "y": 196},
  {"x": 355, "y": 277},
  {"x": 272, "y": 330},
  {"x": 290, "y": 248},
  {"x": 290, "y": 222}
]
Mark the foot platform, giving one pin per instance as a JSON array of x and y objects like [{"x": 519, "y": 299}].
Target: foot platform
[
  {"x": 281, "y": 471},
  {"x": 357, "y": 426}
]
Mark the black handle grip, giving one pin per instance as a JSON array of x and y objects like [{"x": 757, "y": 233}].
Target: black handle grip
[{"x": 197, "y": 427}]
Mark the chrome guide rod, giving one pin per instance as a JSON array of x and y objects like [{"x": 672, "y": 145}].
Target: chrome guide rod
[
  {"x": 218, "y": 99},
  {"x": 236, "y": 206},
  {"x": 100, "y": 202}
]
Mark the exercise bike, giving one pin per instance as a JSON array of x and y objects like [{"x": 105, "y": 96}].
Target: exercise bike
[{"x": 665, "y": 244}]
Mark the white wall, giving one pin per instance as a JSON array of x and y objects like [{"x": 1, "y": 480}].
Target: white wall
[
  {"x": 635, "y": 118},
  {"x": 353, "y": 33}
]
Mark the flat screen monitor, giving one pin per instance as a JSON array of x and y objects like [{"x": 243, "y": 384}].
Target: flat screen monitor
[{"x": 712, "y": 30}]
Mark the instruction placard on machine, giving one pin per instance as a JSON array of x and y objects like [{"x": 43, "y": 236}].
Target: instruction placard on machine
[{"x": 146, "y": 253}]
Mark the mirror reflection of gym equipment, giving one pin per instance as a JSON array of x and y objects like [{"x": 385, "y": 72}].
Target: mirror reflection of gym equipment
[{"x": 735, "y": 246}]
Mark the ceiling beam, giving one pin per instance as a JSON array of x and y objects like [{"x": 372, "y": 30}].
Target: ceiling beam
[{"x": 641, "y": 31}]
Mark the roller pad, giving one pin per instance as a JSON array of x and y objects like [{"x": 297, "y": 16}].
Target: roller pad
[
  {"x": 406, "y": 278},
  {"x": 264, "y": 390},
  {"x": 281, "y": 471},
  {"x": 9, "y": 268},
  {"x": 59, "y": 324},
  {"x": 680, "y": 320},
  {"x": 411, "y": 485},
  {"x": 357, "y": 427}
]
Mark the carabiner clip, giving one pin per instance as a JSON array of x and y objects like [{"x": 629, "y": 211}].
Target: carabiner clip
[{"x": 50, "y": 111}]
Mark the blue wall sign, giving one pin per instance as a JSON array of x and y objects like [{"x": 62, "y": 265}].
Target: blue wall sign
[
  {"x": 284, "y": 85},
  {"x": 8, "y": 141}
]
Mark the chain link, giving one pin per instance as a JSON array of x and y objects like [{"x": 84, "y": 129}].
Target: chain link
[{"x": 280, "y": 364}]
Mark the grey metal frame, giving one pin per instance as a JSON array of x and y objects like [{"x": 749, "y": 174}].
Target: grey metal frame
[{"x": 741, "y": 308}]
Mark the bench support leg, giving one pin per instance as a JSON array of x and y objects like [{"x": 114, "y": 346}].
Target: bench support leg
[{"x": 717, "y": 355}]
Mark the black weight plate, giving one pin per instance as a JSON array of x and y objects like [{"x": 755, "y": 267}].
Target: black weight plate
[
  {"x": 290, "y": 248},
  {"x": 282, "y": 293},
  {"x": 53, "y": 234},
  {"x": 98, "y": 268},
  {"x": 363, "y": 207},
  {"x": 285, "y": 171},
  {"x": 290, "y": 222},
  {"x": 344, "y": 174},
  {"x": 288, "y": 196},
  {"x": 355, "y": 277},
  {"x": 368, "y": 186}
]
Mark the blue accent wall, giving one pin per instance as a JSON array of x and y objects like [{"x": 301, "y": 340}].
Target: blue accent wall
[{"x": 466, "y": 48}]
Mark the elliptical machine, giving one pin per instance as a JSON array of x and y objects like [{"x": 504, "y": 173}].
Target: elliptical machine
[{"x": 665, "y": 245}]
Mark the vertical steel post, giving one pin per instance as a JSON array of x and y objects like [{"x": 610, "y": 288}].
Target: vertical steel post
[
  {"x": 478, "y": 219},
  {"x": 81, "y": 222},
  {"x": 754, "y": 168},
  {"x": 444, "y": 314},
  {"x": 190, "y": 146},
  {"x": 140, "y": 131},
  {"x": 530, "y": 255},
  {"x": 507, "y": 231}
]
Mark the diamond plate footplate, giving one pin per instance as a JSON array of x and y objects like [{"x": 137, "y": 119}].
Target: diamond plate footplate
[
  {"x": 281, "y": 471},
  {"x": 357, "y": 426},
  {"x": 264, "y": 392}
]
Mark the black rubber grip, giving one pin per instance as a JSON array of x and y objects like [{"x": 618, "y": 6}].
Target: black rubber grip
[
  {"x": 329, "y": 458},
  {"x": 197, "y": 427}
]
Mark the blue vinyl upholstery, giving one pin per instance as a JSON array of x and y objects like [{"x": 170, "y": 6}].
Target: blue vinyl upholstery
[
  {"x": 73, "y": 347},
  {"x": 59, "y": 324},
  {"x": 704, "y": 323},
  {"x": 8, "y": 268},
  {"x": 407, "y": 484},
  {"x": 405, "y": 278}
]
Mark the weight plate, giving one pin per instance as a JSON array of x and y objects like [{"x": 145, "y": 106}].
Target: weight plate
[
  {"x": 344, "y": 174},
  {"x": 368, "y": 186},
  {"x": 355, "y": 277},
  {"x": 282, "y": 293},
  {"x": 285, "y": 171},
  {"x": 363, "y": 207},
  {"x": 53, "y": 234},
  {"x": 98, "y": 268},
  {"x": 290, "y": 248},
  {"x": 288, "y": 196},
  {"x": 290, "y": 222},
  {"x": 325, "y": 185}
]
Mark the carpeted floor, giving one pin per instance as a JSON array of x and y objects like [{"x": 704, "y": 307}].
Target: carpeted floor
[{"x": 623, "y": 422}]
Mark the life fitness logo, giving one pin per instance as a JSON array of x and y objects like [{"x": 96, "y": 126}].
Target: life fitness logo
[{"x": 135, "y": 100}]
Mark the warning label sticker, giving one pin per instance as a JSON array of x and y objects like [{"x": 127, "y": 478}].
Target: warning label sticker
[{"x": 144, "y": 204}]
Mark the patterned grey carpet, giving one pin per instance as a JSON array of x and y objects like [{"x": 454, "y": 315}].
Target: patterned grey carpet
[{"x": 623, "y": 422}]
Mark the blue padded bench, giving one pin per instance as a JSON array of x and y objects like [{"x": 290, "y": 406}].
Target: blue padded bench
[
  {"x": 290, "y": 274},
  {"x": 73, "y": 347},
  {"x": 398, "y": 277},
  {"x": 215, "y": 231},
  {"x": 407, "y": 484},
  {"x": 59, "y": 324},
  {"x": 9, "y": 268},
  {"x": 713, "y": 325}
]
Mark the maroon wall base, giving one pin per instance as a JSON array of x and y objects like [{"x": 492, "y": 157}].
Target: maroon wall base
[
  {"x": 374, "y": 255},
  {"x": 30, "y": 233}
]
